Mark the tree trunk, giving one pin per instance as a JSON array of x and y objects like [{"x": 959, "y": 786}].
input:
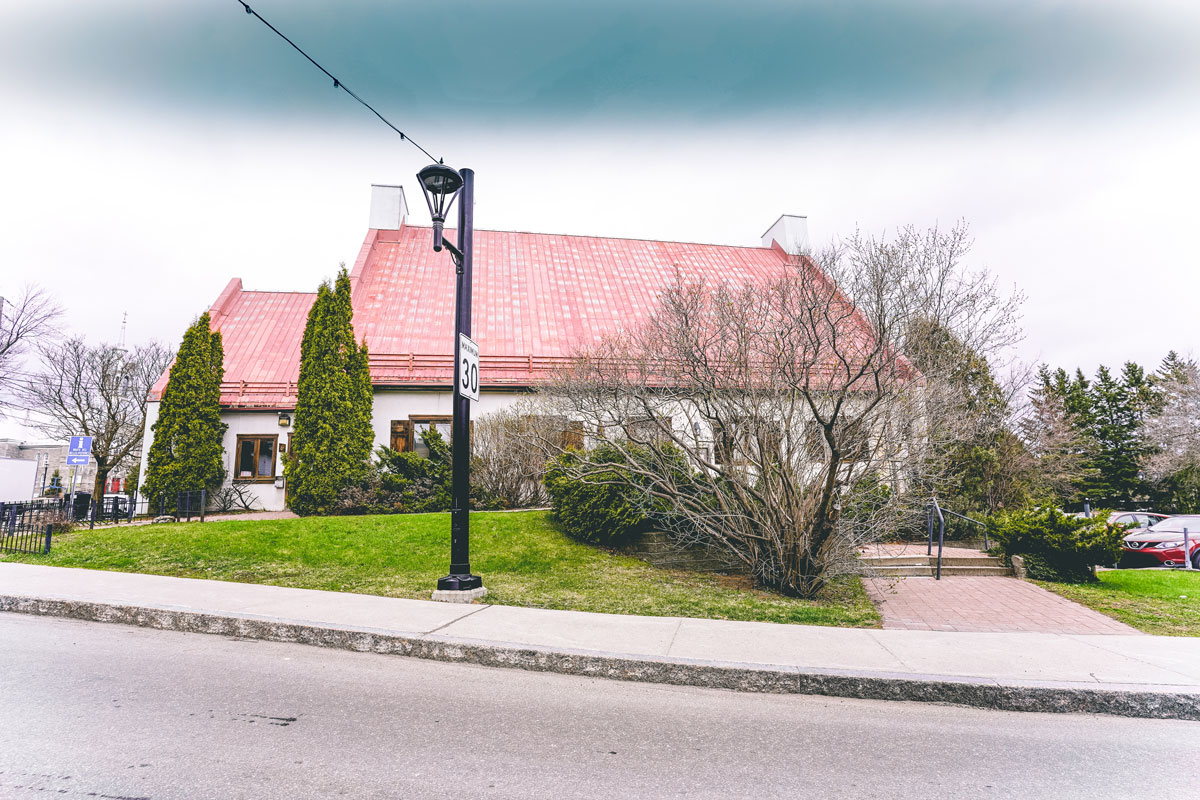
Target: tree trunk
[{"x": 101, "y": 482}]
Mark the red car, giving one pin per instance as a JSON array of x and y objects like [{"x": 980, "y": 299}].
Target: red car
[{"x": 1161, "y": 545}]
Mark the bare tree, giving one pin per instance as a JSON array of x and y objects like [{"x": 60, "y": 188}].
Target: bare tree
[
  {"x": 785, "y": 398},
  {"x": 1173, "y": 434},
  {"x": 23, "y": 319},
  {"x": 508, "y": 453},
  {"x": 99, "y": 392}
]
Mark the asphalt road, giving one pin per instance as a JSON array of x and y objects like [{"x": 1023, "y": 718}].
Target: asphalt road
[{"x": 95, "y": 710}]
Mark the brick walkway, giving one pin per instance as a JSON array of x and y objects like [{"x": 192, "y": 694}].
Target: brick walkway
[
  {"x": 983, "y": 604},
  {"x": 915, "y": 549}
]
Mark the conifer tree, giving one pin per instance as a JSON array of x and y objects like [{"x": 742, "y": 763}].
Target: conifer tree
[
  {"x": 187, "y": 452},
  {"x": 331, "y": 443}
]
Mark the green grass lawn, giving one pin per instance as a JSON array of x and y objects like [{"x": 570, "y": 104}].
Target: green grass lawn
[
  {"x": 1165, "y": 603},
  {"x": 523, "y": 558}
]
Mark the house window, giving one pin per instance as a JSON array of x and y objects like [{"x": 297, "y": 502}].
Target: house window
[
  {"x": 440, "y": 423},
  {"x": 814, "y": 440},
  {"x": 649, "y": 431},
  {"x": 551, "y": 430},
  {"x": 572, "y": 436},
  {"x": 256, "y": 458},
  {"x": 853, "y": 441},
  {"x": 401, "y": 438}
]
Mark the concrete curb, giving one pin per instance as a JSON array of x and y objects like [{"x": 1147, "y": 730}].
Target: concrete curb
[{"x": 1047, "y": 697}]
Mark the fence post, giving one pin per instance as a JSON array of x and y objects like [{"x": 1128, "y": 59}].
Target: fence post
[
  {"x": 203, "y": 502},
  {"x": 92, "y": 516},
  {"x": 49, "y": 530},
  {"x": 160, "y": 504},
  {"x": 1187, "y": 556},
  {"x": 132, "y": 505}
]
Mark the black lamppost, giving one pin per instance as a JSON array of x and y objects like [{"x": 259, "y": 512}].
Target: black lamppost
[{"x": 442, "y": 185}]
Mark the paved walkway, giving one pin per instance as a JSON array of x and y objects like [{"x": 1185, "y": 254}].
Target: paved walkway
[
  {"x": 983, "y": 604},
  {"x": 1147, "y": 675},
  {"x": 242, "y": 516},
  {"x": 915, "y": 549}
]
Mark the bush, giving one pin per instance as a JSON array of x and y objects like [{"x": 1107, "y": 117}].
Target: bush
[
  {"x": 509, "y": 449},
  {"x": 1057, "y": 547},
  {"x": 594, "y": 499},
  {"x": 59, "y": 522},
  {"x": 238, "y": 496},
  {"x": 402, "y": 482}
]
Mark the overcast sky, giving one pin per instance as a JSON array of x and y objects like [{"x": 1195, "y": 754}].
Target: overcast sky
[{"x": 150, "y": 151}]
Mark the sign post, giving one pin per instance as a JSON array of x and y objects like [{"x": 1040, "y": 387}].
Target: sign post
[{"x": 79, "y": 454}]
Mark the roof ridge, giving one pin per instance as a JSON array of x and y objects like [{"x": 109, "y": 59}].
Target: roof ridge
[
  {"x": 275, "y": 291},
  {"x": 597, "y": 236}
]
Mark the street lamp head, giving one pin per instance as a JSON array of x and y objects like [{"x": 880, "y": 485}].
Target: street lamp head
[{"x": 440, "y": 185}]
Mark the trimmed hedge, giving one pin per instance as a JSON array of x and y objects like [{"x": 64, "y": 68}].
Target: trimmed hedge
[
  {"x": 1057, "y": 547},
  {"x": 606, "y": 508}
]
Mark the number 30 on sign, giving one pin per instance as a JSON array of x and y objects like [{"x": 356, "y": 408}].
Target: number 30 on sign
[{"x": 468, "y": 368}]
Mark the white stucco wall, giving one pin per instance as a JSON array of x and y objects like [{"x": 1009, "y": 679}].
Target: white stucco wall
[
  {"x": 255, "y": 423},
  {"x": 389, "y": 404}
]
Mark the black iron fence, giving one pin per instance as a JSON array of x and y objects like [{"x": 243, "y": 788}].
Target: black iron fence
[
  {"x": 119, "y": 509},
  {"x": 26, "y": 527}
]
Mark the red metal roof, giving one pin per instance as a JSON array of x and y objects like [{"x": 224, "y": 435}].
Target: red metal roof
[{"x": 538, "y": 300}]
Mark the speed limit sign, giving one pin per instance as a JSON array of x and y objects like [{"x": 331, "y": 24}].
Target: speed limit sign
[{"x": 468, "y": 368}]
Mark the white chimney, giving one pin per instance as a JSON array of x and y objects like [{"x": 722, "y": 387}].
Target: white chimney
[
  {"x": 388, "y": 208},
  {"x": 791, "y": 232}
]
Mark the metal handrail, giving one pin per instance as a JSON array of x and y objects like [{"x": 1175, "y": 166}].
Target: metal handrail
[
  {"x": 987, "y": 544},
  {"x": 941, "y": 535},
  {"x": 934, "y": 506}
]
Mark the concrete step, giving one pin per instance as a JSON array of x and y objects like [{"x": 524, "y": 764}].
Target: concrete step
[
  {"x": 896, "y": 561},
  {"x": 901, "y": 572},
  {"x": 947, "y": 571},
  {"x": 995, "y": 571},
  {"x": 923, "y": 560}
]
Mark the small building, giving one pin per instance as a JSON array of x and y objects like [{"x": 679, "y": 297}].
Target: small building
[
  {"x": 48, "y": 457},
  {"x": 538, "y": 300}
]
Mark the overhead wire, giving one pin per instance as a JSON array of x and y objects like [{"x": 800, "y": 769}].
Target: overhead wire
[{"x": 337, "y": 83}]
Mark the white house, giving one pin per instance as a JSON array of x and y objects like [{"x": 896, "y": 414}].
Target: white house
[{"x": 537, "y": 299}]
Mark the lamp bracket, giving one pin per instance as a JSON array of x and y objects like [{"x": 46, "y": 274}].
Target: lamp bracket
[{"x": 456, "y": 254}]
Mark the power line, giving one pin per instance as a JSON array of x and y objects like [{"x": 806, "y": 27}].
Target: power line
[{"x": 337, "y": 84}]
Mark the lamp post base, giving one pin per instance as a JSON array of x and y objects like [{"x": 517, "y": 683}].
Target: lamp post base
[
  {"x": 459, "y": 581},
  {"x": 459, "y": 595}
]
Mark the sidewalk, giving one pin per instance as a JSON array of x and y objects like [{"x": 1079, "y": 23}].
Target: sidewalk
[{"x": 1146, "y": 676}]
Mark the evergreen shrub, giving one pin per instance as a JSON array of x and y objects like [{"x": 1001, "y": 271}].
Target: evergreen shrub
[
  {"x": 594, "y": 496},
  {"x": 408, "y": 482},
  {"x": 187, "y": 452},
  {"x": 1057, "y": 547},
  {"x": 331, "y": 444}
]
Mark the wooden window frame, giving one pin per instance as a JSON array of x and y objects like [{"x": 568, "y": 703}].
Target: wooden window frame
[
  {"x": 257, "y": 438},
  {"x": 401, "y": 432}
]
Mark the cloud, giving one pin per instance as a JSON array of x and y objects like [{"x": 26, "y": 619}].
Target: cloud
[{"x": 613, "y": 61}]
